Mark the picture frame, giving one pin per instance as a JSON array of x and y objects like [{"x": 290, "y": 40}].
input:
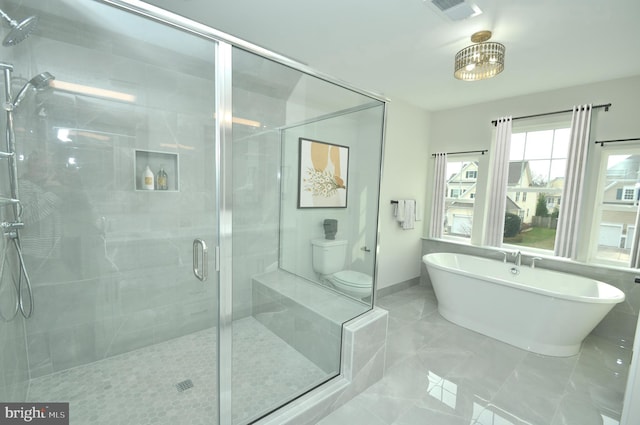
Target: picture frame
[{"x": 323, "y": 170}]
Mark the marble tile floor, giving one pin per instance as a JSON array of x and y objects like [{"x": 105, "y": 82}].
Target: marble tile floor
[
  {"x": 139, "y": 387},
  {"x": 441, "y": 374}
]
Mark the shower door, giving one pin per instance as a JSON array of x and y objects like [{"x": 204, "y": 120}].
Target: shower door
[
  {"x": 281, "y": 329},
  {"x": 122, "y": 328}
]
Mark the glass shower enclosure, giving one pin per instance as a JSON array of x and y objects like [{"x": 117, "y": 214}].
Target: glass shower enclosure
[{"x": 168, "y": 191}]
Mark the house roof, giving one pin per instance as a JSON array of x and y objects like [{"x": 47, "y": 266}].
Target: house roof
[
  {"x": 512, "y": 206},
  {"x": 463, "y": 169},
  {"x": 460, "y": 204},
  {"x": 628, "y": 168},
  {"x": 516, "y": 169}
]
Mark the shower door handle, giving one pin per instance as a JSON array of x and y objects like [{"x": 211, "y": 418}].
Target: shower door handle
[{"x": 200, "y": 251}]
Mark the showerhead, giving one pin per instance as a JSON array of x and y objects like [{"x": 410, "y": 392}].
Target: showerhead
[
  {"x": 19, "y": 30},
  {"x": 39, "y": 82}
]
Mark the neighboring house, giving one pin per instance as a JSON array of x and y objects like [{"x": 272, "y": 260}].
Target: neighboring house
[
  {"x": 459, "y": 201},
  {"x": 620, "y": 203},
  {"x": 553, "y": 199},
  {"x": 461, "y": 191},
  {"x": 519, "y": 176}
]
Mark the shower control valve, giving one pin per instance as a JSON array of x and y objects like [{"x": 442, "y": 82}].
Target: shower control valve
[{"x": 11, "y": 226}]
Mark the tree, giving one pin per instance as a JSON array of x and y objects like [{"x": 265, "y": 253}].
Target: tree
[
  {"x": 511, "y": 225},
  {"x": 541, "y": 206}
]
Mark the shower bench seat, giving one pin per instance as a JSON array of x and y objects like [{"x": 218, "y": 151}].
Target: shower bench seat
[{"x": 307, "y": 316}]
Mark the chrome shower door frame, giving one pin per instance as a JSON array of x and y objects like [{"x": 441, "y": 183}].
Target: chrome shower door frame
[{"x": 224, "y": 200}]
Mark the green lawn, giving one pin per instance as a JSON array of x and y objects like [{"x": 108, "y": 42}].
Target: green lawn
[{"x": 535, "y": 237}]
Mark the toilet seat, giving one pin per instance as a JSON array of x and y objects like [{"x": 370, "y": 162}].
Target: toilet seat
[{"x": 353, "y": 279}]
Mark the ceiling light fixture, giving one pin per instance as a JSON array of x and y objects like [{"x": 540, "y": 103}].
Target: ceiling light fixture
[
  {"x": 479, "y": 61},
  {"x": 92, "y": 91}
]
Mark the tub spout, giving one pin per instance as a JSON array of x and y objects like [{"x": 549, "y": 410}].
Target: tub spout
[{"x": 518, "y": 256}]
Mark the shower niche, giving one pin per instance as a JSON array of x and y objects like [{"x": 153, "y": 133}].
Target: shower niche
[{"x": 157, "y": 162}]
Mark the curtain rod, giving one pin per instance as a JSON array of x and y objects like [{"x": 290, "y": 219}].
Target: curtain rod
[
  {"x": 606, "y": 107},
  {"x": 602, "y": 142},
  {"x": 483, "y": 151}
]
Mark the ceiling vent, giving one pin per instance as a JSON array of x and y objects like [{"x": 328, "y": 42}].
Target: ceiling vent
[{"x": 456, "y": 10}]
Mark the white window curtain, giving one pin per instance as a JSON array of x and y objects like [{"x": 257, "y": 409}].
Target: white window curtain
[
  {"x": 566, "y": 244},
  {"x": 634, "y": 261},
  {"x": 494, "y": 231},
  {"x": 439, "y": 194}
]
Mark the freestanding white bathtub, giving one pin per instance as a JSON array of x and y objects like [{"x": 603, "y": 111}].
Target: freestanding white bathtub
[{"x": 538, "y": 310}]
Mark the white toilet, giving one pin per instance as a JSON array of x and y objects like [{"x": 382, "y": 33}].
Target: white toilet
[{"x": 328, "y": 260}]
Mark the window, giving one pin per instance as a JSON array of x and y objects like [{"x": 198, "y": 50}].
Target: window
[
  {"x": 627, "y": 193},
  {"x": 461, "y": 188},
  {"x": 617, "y": 206},
  {"x": 537, "y": 163}
]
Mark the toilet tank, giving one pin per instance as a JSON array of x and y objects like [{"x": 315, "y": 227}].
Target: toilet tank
[{"x": 328, "y": 255}]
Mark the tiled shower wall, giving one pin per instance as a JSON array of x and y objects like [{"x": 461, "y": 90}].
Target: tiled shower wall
[
  {"x": 13, "y": 363},
  {"x": 618, "y": 326},
  {"x": 111, "y": 266}
]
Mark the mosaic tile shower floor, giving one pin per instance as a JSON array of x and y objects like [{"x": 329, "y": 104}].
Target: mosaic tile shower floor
[{"x": 139, "y": 387}]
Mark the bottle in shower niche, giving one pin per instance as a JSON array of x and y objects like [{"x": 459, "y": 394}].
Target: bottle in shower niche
[
  {"x": 162, "y": 180},
  {"x": 148, "y": 179}
]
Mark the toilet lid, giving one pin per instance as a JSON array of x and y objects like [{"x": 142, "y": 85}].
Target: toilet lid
[{"x": 353, "y": 278}]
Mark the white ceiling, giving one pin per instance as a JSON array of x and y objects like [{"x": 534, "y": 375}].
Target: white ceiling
[{"x": 404, "y": 49}]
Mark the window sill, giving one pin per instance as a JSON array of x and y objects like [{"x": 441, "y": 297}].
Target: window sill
[
  {"x": 532, "y": 252},
  {"x": 455, "y": 239}
]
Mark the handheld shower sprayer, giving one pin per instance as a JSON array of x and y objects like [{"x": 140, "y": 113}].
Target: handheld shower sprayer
[
  {"x": 10, "y": 229},
  {"x": 19, "y": 30},
  {"x": 39, "y": 82}
]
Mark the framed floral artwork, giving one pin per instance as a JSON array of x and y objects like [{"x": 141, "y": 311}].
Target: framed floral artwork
[{"x": 322, "y": 174}]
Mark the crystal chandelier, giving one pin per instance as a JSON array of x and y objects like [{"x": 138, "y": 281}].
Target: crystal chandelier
[{"x": 479, "y": 61}]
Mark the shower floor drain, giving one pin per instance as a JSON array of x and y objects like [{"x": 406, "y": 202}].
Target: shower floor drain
[{"x": 184, "y": 385}]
